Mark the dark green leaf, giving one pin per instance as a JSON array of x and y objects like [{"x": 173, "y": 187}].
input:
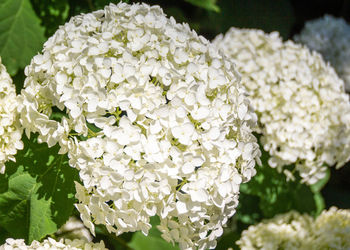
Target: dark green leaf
[
  {"x": 21, "y": 35},
  {"x": 256, "y": 14},
  {"x": 269, "y": 194},
  {"x": 228, "y": 241},
  {"x": 206, "y": 4},
  {"x": 153, "y": 241},
  {"x": 52, "y": 13},
  {"x": 142, "y": 242},
  {"x": 37, "y": 192},
  {"x": 3, "y": 236},
  {"x": 112, "y": 241}
]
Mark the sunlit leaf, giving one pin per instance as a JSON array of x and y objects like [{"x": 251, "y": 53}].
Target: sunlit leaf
[
  {"x": 37, "y": 192},
  {"x": 21, "y": 35}
]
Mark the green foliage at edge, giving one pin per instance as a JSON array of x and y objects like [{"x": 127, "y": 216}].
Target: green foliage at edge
[
  {"x": 21, "y": 35},
  {"x": 52, "y": 13},
  {"x": 269, "y": 194},
  {"x": 153, "y": 241},
  {"x": 37, "y": 192},
  {"x": 205, "y": 4}
]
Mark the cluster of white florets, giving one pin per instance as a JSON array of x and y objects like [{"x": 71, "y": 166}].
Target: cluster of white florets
[
  {"x": 74, "y": 229},
  {"x": 330, "y": 36},
  {"x": 304, "y": 113},
  {"x": 153, "y": 117},
  {"x": 64, "y": 244},
  {"x": 285, "y": 231},
  {"x": 330, "y": 230},
  {"x": 10, "y": 130}
]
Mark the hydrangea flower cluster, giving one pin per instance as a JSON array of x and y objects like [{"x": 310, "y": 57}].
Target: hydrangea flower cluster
[
  {"x": 303, "y": 110},
  {"x": 330, "y": 36},
  {"x": 154, "y": 118},
  {"x": 12, "y": 244},
  {"x": 10, "y": 129},
  {"x": 330, "y": 230}
]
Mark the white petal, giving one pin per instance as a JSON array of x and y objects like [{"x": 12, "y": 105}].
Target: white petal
[
  {"x": 181, "y": 207},
  {"x": 242, "y": 111}
]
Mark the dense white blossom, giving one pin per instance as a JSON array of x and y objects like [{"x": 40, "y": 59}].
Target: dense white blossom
[
  {"x": 330, "y": 36},
  {"x": 65, "y": 244},
  {"x": 290, "y": 231},
  {"x": 303, "y": 110},
  {"x": 10, "y": 130},
  {"x": 154, "y": 118}
]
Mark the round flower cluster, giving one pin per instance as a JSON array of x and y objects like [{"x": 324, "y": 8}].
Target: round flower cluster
[
  {"x": 304, "y": 113},
  {"x": 330, "y": 36},
  {"x": 151, "y": 114},
  {"x": 12, "y": 244},
  {"x": 10, "y": 130},
  {"x": 285, "y": 231},
  {"x": 330, "y": 230}
]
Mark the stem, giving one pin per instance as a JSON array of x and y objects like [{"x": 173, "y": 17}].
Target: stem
[
  {"x": 91, "y": 133},
  {"x": 122, "y": 242},
  {"x": 180, "y": 185}
]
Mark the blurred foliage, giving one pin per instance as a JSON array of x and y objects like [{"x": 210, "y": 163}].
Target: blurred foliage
[
  {"x": 269, "y": 193},
  {"x": 206, "y": 4},
  {"x": 51, "y": 13},
  {"x": 3, "y": 235}
]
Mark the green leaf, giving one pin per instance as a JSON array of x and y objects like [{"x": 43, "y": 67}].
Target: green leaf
[
  {"x": 269, "y": 194},
  {"x": 111, "y": 240},
  {"x": 228, "y": 240},
  {"x": 206, "y": 4},
  {"x": 52, "y": 13},
  {"x": 37, "y": 192},
  {"x": 142, "y": 242},
  {"x": 21, "y": 35},
  {"x": 153, "y": 241},
  {"x": 3, "y": 236}
]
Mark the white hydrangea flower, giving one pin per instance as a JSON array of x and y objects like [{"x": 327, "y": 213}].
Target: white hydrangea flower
[
  {"x": 154, "y": 118},
  {"x": 10, "y": 129},
  {"x": 74, "y": 229},
  {"x": 290, "y": 231},
  {"x": 304, "y": 113},
  {"x": 49, "y": 243},
  {"x": 330, "y": 36},
  {"x": 284, "y": 231},
  {"x": 331, "y": 230}
]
